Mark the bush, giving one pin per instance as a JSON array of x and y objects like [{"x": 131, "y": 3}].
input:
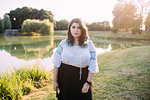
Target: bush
[
  {"x": 133, "y": 31},
  {"x": 114, "y": 30},
  {"x": 136, "y": 30},
  {"x": 10, "y": 87},
  {"x": 1, "y": 26},
  {"x": 6, "y": 22},
  {"x": 27, "y": 87},
  {"x": 36, "y": 73},
  {"x": 140, "y": 31},
  {"x": 26, "y": 90},
  {"x": 44, "y": 27},
  {"x": 21, "y": 82}
]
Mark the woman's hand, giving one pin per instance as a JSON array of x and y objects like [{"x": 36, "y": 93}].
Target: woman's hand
[
  {"x": 85, "y": 87},
  {"x": 55, "y": 85}
]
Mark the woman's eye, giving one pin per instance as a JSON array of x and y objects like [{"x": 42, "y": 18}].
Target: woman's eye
[
  {"x": 79, "y": 27},
  {"x": 73, "y": 26}
]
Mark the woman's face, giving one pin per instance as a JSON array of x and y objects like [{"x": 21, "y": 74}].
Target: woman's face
[{"x": 75, "y": 30}]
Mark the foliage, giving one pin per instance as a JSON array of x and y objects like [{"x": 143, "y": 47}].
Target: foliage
[
  {"x": 114, "y": 30},
  {"x": 62, "y": 24},
  {"x": 136, "y": 30},
  {"x": 129, "y": 14},
  {"x": 1, "y": 26},
  {"x": 142, "y": 6},
  {"x": 6, "y": 22},
  {"x": 147, "y": 22},
  {"x": 18, "y": 15},
  {"x": 124, "y": 15},
  {"x": 138, "y": 21},
  {"x": 21, "y": 82},
  {"x": 44, "y": 27},
  {"x": 10, "y": 86},
  {"x": 99, "y": 26}
]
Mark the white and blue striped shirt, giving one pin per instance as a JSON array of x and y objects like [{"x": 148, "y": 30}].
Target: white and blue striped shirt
[{"x": 76, "y": 55}]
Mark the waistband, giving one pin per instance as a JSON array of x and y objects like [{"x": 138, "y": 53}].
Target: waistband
[{"x": 74, "y": 66}]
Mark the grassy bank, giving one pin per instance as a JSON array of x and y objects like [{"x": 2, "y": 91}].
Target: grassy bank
[
  {"x": 124, "y": 75},
  {"x": 14, "y": 85},
  {"x": 110, "y": 35}
]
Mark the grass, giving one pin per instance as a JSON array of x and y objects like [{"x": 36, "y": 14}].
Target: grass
[
  {"x": 31, "y": 34},
  {"x": 124, "y": 75},
  {"x": 110, "y": 35},
  {"x": 22, "y": 81}
]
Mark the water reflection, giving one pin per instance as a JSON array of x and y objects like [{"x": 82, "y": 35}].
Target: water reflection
[
  {"x": 9, "y": 62},
  {"x": 19, "y": 51},
  {"x": 28, "y": 47},
  {"x": 101, "y": 50}
]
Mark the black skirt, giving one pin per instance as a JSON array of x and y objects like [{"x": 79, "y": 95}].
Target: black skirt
[{"x": 70, "y": 85}]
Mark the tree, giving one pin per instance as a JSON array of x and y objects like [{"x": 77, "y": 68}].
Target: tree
[
  {"x": 147, "y": 23},
  {"x": 124, "y": 15},
  {"x": 44, "y": 27},
  {"x": 138, "y": 21},
  {"x": 1, "y": 26},
  {"x": 99, "y": 26},
  {"x": 142, "y": 8},
  {"x": 6, "y": 22},
  {"x": 117, "y": 11},
  {"x": 62, "y": 24},
  {"x": 18, "y": 15},
  {"x": 106, "y": 26}
]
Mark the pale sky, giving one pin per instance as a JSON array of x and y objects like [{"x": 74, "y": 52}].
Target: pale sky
[{"x": 87, "y": 10}]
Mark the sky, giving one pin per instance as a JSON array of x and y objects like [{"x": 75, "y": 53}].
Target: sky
[{"x": 88, "y": 10}]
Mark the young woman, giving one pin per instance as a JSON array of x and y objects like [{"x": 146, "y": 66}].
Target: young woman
[{"x": 75, "y": 62}]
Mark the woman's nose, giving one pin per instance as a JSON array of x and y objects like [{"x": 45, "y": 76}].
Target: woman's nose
[{"x": 76, "y": 29}]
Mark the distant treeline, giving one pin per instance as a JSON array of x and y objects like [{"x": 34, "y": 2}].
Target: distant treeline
[{"x": 95, "y": 26}]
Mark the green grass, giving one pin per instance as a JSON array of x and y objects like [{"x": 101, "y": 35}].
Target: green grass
[
  {"x": 124, "y": 75},
  {"x": 120, "y": 35},
  {"x": 110, "y": 35},
  {"x": 31, "y": 34},
  {"x": 22, "y": 81}
]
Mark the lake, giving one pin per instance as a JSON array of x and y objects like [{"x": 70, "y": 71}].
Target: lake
[{"x": 18, "y": 51}]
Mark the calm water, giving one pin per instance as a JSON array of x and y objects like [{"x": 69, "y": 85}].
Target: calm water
[{"x": 18, "y": 51}]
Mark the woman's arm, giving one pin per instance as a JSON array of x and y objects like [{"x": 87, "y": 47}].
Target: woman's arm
[
  {"x": 55, "y": 74},
  {"x": 90, "y": 76},
  {"x": 86, "y": 85}
]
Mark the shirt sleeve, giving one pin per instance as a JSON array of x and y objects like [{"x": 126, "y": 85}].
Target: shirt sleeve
[
  {"x": 93, "y": 65},
  {"x": 57, "y": 55}
]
